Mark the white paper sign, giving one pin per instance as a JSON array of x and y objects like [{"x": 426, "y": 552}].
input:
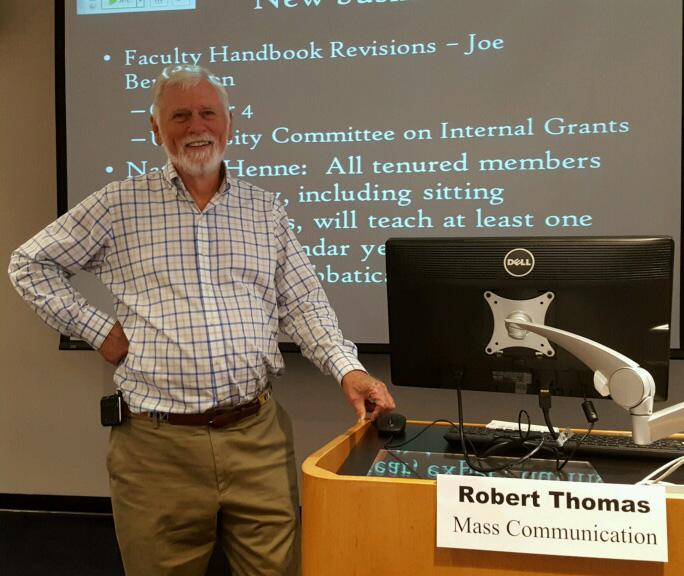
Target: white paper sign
[{"x": 551, "y": 517}]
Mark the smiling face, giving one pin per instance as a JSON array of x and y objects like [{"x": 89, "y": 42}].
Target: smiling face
[{"x": 193, "y": 126}]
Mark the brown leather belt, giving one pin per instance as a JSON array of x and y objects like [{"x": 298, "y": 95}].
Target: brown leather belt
[{"x": 214, "y": 417}]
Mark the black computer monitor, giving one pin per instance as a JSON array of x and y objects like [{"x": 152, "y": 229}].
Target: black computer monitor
[{"x": 447, "y": 298}]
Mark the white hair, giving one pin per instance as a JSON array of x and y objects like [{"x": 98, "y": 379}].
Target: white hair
[{"x": 185, "y": 77}]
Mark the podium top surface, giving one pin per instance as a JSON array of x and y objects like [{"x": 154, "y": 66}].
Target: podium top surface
[{"x": 353, "y": 453}]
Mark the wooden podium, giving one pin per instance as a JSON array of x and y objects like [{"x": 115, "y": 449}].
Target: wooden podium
[{"x": 359, "y": 525}]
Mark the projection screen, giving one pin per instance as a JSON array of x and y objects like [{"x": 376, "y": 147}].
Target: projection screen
[{"x": 384, "y": 118}]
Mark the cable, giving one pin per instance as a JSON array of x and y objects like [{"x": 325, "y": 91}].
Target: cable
[
  {"x": 545, "y": 404},
  {"x": 387, "y": 445},
  {"x": 503, "y": 442},
  {"x": 465, "y": 442},
  {"x": 406, "y": 464},
  {"x": 577, "y": 443},
  {"x": 498, "y": 468},
  {"x": 591, "y": 416},
  {"x": 666, "y": 469},
  {"x": 529, "y": 425}
]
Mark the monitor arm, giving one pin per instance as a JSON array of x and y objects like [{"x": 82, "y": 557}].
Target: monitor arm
[{"x": 631, "y": 386}]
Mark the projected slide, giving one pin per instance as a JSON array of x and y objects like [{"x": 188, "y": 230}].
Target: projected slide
[{"x": 374, "y": 119}]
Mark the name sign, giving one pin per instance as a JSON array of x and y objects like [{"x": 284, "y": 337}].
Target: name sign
[{"x": 549, "y": 517}]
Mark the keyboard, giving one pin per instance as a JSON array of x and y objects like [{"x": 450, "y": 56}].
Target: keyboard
[{"x": 594, "y": 445}]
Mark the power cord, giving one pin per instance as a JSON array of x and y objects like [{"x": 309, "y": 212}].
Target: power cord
[
  {"x": 545, "y": 405},
  {"x": 591, "y": 416},
  {"x": 660, "y": 474},
  {"x": 389, "y": 447},
  {"x": 501, "y": 467},
  {"x": 470, "y": 453}
]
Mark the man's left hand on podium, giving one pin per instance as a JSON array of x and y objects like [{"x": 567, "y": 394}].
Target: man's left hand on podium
[{"x": 368, "y": 396}]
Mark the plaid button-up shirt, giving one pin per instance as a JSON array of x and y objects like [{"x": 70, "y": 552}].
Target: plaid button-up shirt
[{"x": 201, "y": 295}]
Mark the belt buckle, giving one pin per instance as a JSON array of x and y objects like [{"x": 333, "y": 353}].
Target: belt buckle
[{"x": 217, "y": 413}]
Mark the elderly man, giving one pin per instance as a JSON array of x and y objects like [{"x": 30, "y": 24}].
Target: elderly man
[{"x": 204, "y": 271}]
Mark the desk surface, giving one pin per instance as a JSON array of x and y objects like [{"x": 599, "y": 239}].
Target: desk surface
[{"x": 612, "y": 470}]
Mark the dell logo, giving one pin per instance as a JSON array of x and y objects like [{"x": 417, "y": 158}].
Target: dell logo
[{"x": 519, "y": 262}]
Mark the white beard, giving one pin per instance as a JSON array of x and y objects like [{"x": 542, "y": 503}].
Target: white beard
[{"x": 199, "y": 162}]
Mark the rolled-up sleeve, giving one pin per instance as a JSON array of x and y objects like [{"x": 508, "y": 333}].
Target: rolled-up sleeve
[
  {"x": 41, "y": 270},
  {"x": 304, "y": 311}
]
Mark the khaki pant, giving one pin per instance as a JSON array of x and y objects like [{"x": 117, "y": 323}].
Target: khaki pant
[{"x": 177, "y": 489}]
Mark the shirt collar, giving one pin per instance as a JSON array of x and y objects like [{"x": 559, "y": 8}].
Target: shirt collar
[{"x": 171, "y": 176}]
